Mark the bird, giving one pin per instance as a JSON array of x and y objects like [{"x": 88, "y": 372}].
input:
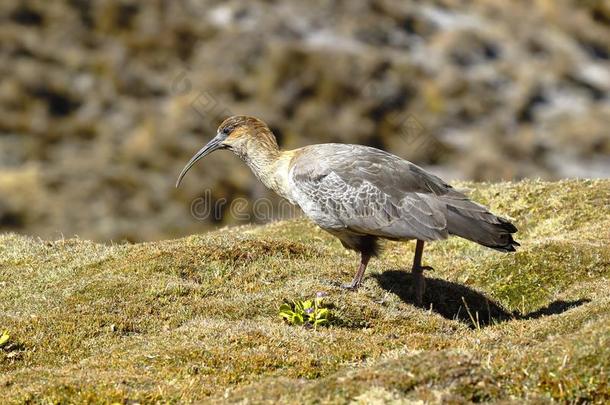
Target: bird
[{"x": 361, "y": 195}]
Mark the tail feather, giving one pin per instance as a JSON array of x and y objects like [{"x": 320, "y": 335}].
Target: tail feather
[{"x": 481, "y": 227}]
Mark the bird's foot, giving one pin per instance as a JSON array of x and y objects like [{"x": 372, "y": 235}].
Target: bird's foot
[
  {"x": 419, "y": 284},
  {"x": 351, "y": 286},
  {"x": 345, "y": 286},
  {"x": 422, "y": 269}
]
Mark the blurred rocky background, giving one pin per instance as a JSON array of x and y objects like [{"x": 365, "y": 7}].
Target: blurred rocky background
[{"x": 102, "y": 102}]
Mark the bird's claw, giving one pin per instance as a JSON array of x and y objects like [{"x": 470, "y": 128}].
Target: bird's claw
[
  {"x": 350, "y": 286},
  {"x": 421, "y": 269}
]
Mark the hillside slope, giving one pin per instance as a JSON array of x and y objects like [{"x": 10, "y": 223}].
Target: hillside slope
[{"x": 195, "y": 319}]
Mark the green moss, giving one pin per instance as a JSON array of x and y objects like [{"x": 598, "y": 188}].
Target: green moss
[
  {"x": 195, "y": 319},
  {"x": 529, "y": 279}
]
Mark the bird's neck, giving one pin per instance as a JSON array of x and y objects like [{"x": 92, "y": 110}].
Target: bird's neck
[
  {"x": 270, "y": 166},
  {"x": 261, "y": 161}
]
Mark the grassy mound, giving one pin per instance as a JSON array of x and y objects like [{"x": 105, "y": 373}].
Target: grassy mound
[{"x": 196, "y": 319}]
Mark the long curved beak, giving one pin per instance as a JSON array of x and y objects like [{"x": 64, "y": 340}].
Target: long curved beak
[{"x": 214, "y": 144}]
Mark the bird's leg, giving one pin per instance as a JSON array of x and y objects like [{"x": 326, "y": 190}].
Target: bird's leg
[
  {"x": 419, "y": 281},
  {"x": 364, "y": 261}
]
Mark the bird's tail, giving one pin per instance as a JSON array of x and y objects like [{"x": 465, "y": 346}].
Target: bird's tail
[{"x": 474, "y": 222}]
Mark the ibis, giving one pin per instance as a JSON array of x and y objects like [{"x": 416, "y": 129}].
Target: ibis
[{"x": 361, "y": 194}]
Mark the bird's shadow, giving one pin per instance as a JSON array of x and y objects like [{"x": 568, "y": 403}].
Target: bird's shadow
[{"x": 458, "y": 302}]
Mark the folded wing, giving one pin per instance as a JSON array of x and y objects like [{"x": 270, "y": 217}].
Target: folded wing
[{"x": 371, "y": 192}]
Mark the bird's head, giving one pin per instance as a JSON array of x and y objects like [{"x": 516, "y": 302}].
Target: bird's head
[{"x": 241, "y": 134}]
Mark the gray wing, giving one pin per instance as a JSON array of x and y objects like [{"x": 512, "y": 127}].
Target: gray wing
[{"x": 369, "y": 191}]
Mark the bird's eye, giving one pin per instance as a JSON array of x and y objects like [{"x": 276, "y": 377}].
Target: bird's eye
[{"x": 226, "y": 131}]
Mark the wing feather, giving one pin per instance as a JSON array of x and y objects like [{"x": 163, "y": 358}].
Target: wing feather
[{"x": 368, "y": 191}]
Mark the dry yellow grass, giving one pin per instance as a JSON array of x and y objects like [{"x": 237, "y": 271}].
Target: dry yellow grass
[{"x": 195, "y": 319}]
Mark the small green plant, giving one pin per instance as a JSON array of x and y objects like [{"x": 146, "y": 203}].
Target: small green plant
[
  {"x": 4, "y": 338},
  {"x": 309, "y": 313}
]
